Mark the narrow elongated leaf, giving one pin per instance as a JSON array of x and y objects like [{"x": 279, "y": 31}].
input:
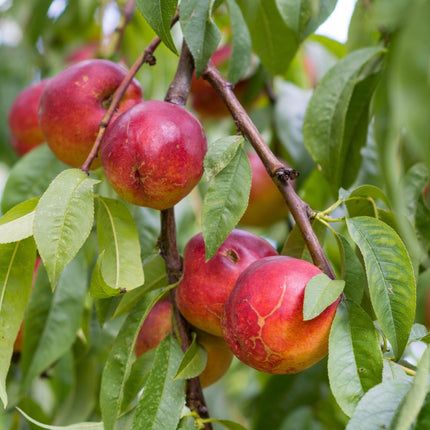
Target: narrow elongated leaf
[
  {"x": 377, "y": 408},
  {"x": 335, "y": 126},
  {"x": 200, "y": 32},
  {"x": 98, "y": 287},
  {"x": 121, "y": 358},
  {"x": 194, "y": 361},
  {"x": 30, "y": 176},
  {"x": 272, "y": 40},
  {"x": 163, "y": 398},
  {"x": 159, "y": 14},
  {"x": 121, "y": 267},
  {"x": 414, "y": 400},
  {"x": 78, "y": 426},
  {"x": 305, "y": 16},
  {"x": 390, "y": 278},
  {"x": 53, "y": 319},
  {"x": 17, "y": 262},
  {"x": 241, "y": 45},
  {"x": 225, "y": 202},
  {"x": 228, "y": 424},
  {"x": 355, "y": 358},
  {"x": 320, "y": 292},
  {"x": 63, "y": 220},
  {"x": 220, "y": 153},
  {"x": 17, "y": 223}
]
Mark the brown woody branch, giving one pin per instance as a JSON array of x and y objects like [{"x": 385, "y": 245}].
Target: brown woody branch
[
  {"x": 281, "y": 174},
  {"x": 178, "y": 94},
  {"x": 147, "y": 56}
]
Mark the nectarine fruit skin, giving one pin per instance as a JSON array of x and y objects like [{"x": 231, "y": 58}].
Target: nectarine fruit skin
[
  {"x": 263, "y": 321},
  {"x": 23, "y": 121},
  {"x": 74, "y": 103},
  {"x": 205, "y": 286},
  {"x": 153, "y": 154}
]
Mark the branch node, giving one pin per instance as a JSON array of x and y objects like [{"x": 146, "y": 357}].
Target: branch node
[
  {"x": 284, "y": 174},
  {"x": 149, "y": 57}
]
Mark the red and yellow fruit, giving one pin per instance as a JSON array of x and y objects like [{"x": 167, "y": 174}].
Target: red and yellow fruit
[
  {"x": 263, "y": 321},
  {"x": 205, "y": 285}
]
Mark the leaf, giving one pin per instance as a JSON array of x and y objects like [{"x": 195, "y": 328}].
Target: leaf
[
  {"x": 378, "y": 406},
  {"x": 121, "y": 358},
  {"x": 17, "y": 262},
  {"x": 355, "y": 358},
  {"x": 336, "y": 120},
  {"x": 200, "y": 32},
  {"x": 225, "y": 202},
  {"x": 414, "y": 399},
  {"x": 305, "y": 16},
  {"x": 241, "y": 45},
  {"x": 194, "y": 361},
  {"x": 272, "y": 40},
  {"x": 159, "y": 14},
  {"x": 320, "y": 292},
  {"x": 231, "y": 425},
  {"x": 98, "y": 287},
  {"x": 30, "y": 176},
  {"x": 79, "y": 426},
  {"x": 117, "y": 237},
  {"x": 352, "y": 270},
  {"x": 17, "y": 223},
  {"x": 370, "y": 192},
  {"x": 390, "y": 278},
  {"x": 163, "y": 398},
  {"x": 63, "y": 220},
  {"x": 52, "y": 319},
  {"x": 155, "y": 277}
]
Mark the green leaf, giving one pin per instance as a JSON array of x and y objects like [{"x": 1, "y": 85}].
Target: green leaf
[
  {"x": 163, "y": 398},
  {"x": 17, "y": 262},
  {"x": 63, "y": 220},
  {"x": 274, "y": 42},
  {"x": 320, "y": 292},
  {"x": 30, "y": 176},
  {"x": 53, "y": 319},
  {"x": 231, "y": 425},
  {"x": 78, "y": 426},
  {"x": 352, "y": 270},
  {"x": 370, "y": 192},
  {"x": 241, "y": 45},
  {"x": 355, "y": 358},
  {"x": 200, "y": 32},
  {"x": 159, "y": 14},
  {"x": 220, "y": 154},
  {"x": 414, "y": 399},
  {"x": 155, "y": 277},
  {"x": 118, "y": 239},
  {"x": 225, "y": 202},
  {"x": 390, "y": 278},
  {"x": 194, "y": 361},
  {"x": 121, "y": 358},
  {"x": 98, "y": 287},
  {"x": 305, "y": 16},
  {"x": 378, "y": 406},
  {"x": 17, "y": 223},
  {"x": 336, "y": 120}
]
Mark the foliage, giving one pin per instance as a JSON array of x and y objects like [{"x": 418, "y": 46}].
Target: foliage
[{"x": 351, "y": 117}]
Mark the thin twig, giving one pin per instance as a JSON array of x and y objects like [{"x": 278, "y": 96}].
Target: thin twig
[{"x": 281, "y": 174}]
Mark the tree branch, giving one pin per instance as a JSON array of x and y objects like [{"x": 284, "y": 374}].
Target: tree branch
[{"x": 279, "y": 172}]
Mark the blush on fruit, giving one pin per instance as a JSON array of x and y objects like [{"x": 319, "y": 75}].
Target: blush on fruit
[
  {"x": 205, "y": 286},
  {"x": 153, "y": 154},
  {"x": 263, "y": 321},
  {"x": 23, "y": 121},
  {"x": 266, "y": 204},
  {"x": 75, "y": 101}
]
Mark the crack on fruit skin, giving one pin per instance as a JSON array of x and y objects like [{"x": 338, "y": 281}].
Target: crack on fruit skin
[
  {"x": 232, "y": 255},
  {"x": 271, "y": 356}
]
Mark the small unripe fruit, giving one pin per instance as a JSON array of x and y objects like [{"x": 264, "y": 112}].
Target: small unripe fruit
[
  {"x": 205, "y": 285},
  {"x": 153, "y": 154},
  {"x": 74, "y": 103},
  {"x": 23, "y": 121},
  {"x": 263, "y": 321}
]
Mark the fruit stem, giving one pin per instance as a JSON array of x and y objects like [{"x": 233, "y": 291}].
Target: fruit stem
[
  {"x": 147, "y": 56},
  {"x": 280, "y": 174}
]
